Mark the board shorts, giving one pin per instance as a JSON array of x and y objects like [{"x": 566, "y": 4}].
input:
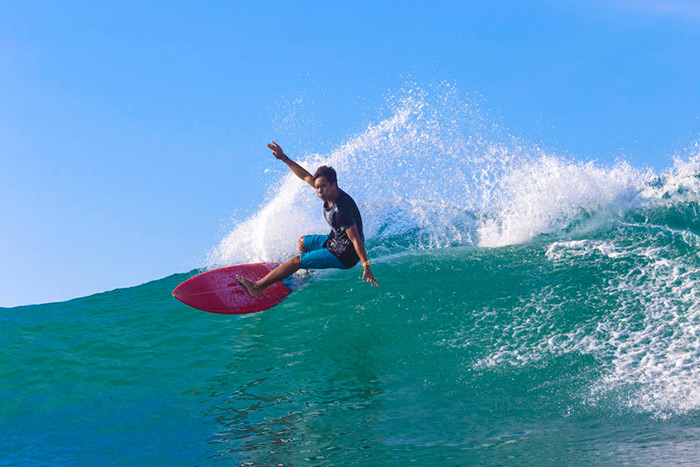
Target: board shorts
[{"x": 318, "y": 257}]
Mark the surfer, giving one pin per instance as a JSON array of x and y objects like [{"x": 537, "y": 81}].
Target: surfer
[{"x": 343, "y": 248}]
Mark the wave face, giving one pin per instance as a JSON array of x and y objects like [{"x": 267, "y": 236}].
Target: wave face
[{"x": 531, "y": 307}]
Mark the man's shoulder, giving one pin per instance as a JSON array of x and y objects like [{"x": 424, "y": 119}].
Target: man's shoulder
[{"x": 345, "y": 199}]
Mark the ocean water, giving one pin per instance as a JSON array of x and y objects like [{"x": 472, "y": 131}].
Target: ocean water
[{"x": 532, "y": 309}]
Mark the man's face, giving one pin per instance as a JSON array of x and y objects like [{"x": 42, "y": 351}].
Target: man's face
[{"x": 324, "y": 190}]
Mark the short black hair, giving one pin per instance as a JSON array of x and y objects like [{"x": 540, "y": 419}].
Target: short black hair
[{"x": 328, "y": 172}]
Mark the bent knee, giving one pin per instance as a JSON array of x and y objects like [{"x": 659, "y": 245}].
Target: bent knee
[{"x": 302, "y": 248}]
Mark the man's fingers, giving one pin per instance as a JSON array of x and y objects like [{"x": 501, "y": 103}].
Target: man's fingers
[
  {"x": 371, "y": 280},
  {"x": 276, "y": 150}
]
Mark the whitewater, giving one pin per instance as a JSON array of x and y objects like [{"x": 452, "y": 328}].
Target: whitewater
[{"x": 533, "y": 308}]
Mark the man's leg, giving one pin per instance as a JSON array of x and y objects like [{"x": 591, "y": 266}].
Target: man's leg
[
  {"x": 282, "y": 271},
  {"x": 300, "y": 244}
]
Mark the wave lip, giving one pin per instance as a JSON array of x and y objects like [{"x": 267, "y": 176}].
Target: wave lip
[{"x": 550, "y": 195}]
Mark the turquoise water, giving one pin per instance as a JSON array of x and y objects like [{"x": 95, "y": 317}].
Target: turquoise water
[
  {"x": 534, "y": 353},
  {"x": 532, "y": 310}
]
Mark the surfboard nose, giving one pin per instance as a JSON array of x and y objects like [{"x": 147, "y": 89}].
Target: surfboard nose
[{"x": 177, "y": 293}]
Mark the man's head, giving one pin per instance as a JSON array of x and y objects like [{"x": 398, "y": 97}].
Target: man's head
[{"x": 326, "y": 183}]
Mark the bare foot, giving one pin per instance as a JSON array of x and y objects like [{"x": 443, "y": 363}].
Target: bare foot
[{"x": 249, "y": 286}]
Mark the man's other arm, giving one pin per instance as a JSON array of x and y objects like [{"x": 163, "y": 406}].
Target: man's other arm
[{"x": 354, "y": 237}]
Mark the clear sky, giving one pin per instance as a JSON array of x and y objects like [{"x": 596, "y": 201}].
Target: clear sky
[{"x": 132, "y": 132}]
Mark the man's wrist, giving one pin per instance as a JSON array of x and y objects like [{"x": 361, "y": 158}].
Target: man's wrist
[
  {"x": 365, "y": 264},
  {"x": 285, "y": 158}
]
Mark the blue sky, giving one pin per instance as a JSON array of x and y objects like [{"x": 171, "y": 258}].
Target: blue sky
[{"x": 132, "y": 132}]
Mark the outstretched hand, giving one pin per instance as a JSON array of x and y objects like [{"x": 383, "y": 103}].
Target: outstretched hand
[
  {"x": 276, "y": 150},
  {"x": 367, "y": 276}
]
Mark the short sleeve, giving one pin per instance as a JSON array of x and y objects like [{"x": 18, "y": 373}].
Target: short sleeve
[{"x": 344, "y": 218}]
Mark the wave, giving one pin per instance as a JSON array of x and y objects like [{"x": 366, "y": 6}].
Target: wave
[
  {"x": 436, "y": 173},
  {"x": 619, "y": 241},
  {"x": 524, "y": 297}
]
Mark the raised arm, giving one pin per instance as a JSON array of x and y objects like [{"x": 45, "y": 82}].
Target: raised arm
[{"x": 298, "y": 170}]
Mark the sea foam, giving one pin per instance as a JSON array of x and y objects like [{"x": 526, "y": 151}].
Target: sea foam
[{"x": 436, "y": 173}]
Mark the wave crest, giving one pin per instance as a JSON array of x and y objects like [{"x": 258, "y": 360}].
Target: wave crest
[{"x": 436, "y": 173}]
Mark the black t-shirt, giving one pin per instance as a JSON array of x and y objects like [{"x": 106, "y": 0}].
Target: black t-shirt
[{"x": 341, "y": 216}]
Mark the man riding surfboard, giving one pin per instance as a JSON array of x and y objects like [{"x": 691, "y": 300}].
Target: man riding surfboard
[{"x": 342, "y": 248}]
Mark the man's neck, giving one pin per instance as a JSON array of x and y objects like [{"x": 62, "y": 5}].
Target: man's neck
[{"x": 331, "y": 202}]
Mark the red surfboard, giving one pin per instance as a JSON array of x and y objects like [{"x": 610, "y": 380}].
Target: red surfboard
[{"x": 218, "y": 291}]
